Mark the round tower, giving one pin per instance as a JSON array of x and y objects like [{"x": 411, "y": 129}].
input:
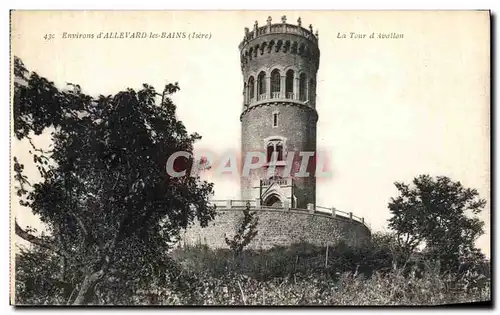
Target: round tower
[{"x": 279, "y": 63}]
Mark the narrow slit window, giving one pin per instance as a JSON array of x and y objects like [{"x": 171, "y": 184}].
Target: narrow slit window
[{"x": 275, "y": 120}]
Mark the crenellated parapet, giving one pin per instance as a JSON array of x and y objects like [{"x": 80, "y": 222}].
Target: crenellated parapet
[
  {"x": 273, "y": 44},
  {"x": 280, "y": 38},
  {"x": 279, "y": 62},
  {"x": 279, "y": 65},
  {"x": 279, "y": 28}
]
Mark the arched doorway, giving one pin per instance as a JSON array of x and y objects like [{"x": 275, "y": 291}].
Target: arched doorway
[{"x": 273, "y": 201}]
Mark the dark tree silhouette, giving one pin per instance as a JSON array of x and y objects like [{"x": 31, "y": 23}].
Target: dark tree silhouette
[
  {"x": 247, "y": 230},
  {"x": 439, "y": 215},
  {"x": 111, "y": 210}
]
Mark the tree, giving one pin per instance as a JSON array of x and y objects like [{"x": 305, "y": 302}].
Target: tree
[
  {"x": 109, "y": 206},
  {"x": 246, "y": 231},
  {"x": 384, "y": 251},
  {"x": 439, "y": 215},
  {"x": 38, "y": 279}
]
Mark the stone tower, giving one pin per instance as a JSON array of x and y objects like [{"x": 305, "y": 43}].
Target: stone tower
[{"x": 279, "y": 63}]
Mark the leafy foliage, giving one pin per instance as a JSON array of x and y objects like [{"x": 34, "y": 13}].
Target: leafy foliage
[
  {"x": 381, "y": 289},
  {"x": 297, "y": 275},
  {"x": 111, "y": 210},
  {"x": 109, "y": 205},
  {"x": 440, "y": 215},
  {"x": 246, "y": 231},
  {"x": 38, "y": 278}
]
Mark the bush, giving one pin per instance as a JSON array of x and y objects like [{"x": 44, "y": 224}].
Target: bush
[
  {"x": 389, "y": 289},
  {"x": 301, "y": 275},
  {"x": 296, "y": 275}
]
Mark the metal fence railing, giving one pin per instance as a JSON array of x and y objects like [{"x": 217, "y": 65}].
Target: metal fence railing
[{"x": 254, "y": 204}]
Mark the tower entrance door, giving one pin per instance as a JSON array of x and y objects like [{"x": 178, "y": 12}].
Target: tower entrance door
[{"x": 273, "y": 201}]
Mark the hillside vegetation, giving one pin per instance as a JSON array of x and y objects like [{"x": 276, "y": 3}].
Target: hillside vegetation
[{"x": 303, "y": 274}]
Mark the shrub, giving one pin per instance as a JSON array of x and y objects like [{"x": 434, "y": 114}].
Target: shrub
[{"x": 298, "y": 275}]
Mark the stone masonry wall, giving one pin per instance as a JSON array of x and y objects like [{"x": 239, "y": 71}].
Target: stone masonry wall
[
  {"x": 279, "y": 227},
  {"x": 297, "y": 125}
]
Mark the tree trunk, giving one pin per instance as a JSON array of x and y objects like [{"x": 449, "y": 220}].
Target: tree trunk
[{"x": 88, "y": 283}]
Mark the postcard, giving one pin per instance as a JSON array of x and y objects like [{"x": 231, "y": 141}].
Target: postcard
[{"x": 250, "y": 158}]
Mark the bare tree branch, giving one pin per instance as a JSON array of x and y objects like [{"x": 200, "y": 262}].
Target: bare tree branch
[{"x": 38, "y": 149}]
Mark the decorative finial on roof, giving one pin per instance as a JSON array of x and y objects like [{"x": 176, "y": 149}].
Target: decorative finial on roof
[
  {"x": 311, "y": 28},
  {"x": 316, "y": 34},
  {"x": 247, "y": 31},
  {"x": 299, "y": 21},
  {"x": 269, "y": 20},
  {"x": 256, "y": 24},
  {"x": 283, "y": 19}
]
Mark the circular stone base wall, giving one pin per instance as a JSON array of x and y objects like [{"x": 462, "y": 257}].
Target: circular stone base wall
[{"x": 279, "y": 227}]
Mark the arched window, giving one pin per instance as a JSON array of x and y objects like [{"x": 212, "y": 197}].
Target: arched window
[
  {"x": 261, "y": 85},
  {"x": 251, "y": 89},
  {"x": 311, "y": 90},
  {"x": 279, "y": 149},
  {"x": 245, "y": 94},
  {"x": 289, "y": 84},
  {"x": 275, "y": 83},
  {"x": 270, "y": 150},
  {"x": 302, "y": 87},
  {"x": 274, "y": 146}
]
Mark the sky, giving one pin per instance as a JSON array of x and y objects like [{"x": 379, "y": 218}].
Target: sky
[{"x": 389, "y": 109}]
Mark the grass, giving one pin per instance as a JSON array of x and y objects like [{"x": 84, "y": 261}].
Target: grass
[{"x": 301, "y": 275}]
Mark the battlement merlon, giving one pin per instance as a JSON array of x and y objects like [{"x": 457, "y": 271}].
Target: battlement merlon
[{"x": 278, "y": 28}]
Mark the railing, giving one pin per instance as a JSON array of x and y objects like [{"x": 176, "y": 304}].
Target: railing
[
  {"x": 255, "y": 204},
  {"x": 229, "y": 204},
  {"x": 324, "y": 209},
  {"x": 266, "y": 97}
]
